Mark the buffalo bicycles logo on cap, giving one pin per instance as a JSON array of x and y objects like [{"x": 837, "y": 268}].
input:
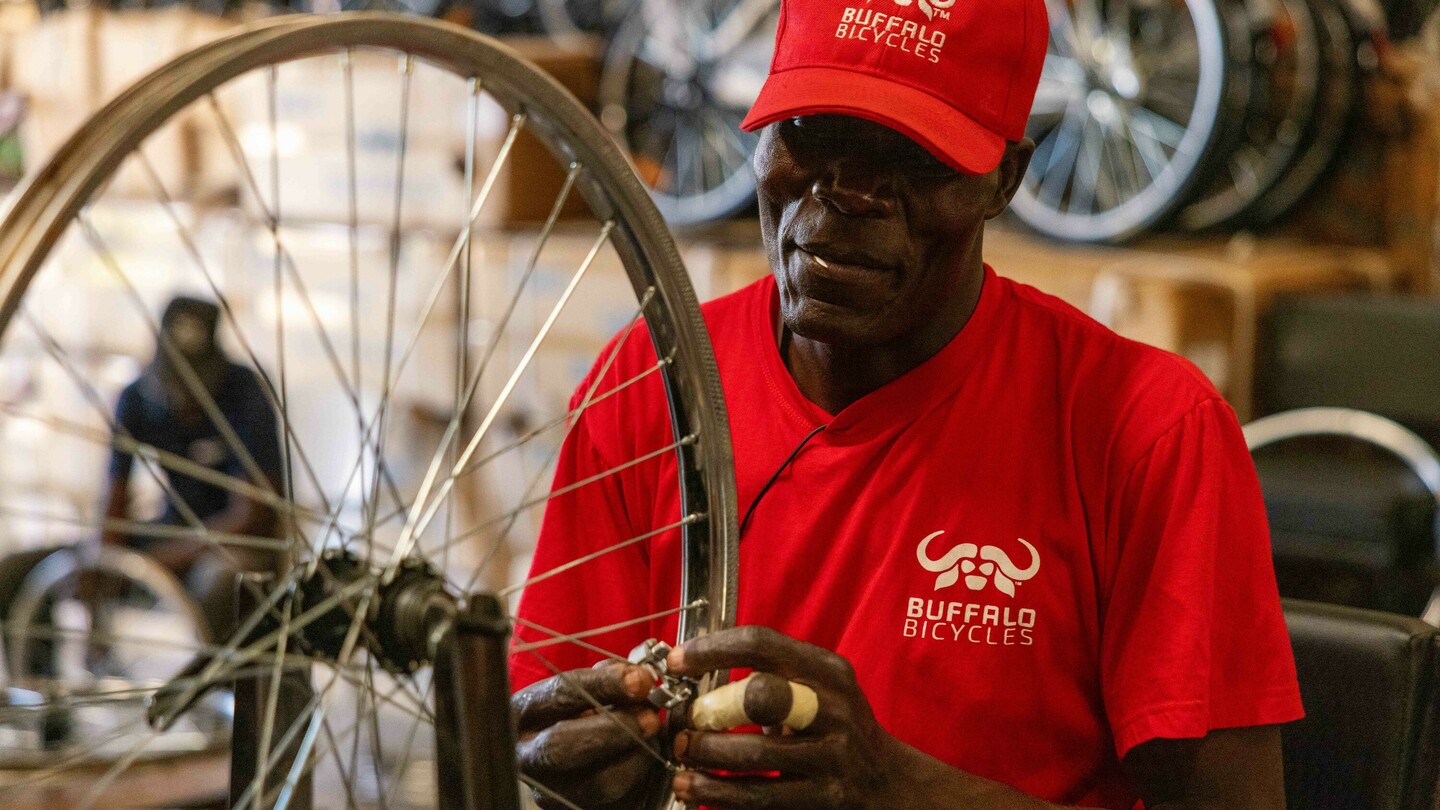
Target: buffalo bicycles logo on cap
[
  {"x": 896, "y": 32},
  {"x": 930, "y": 7},
  {"x": 994, "y": 565}
]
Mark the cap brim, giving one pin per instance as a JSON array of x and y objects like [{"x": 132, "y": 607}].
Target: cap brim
[{"x": 945, "y": 132}]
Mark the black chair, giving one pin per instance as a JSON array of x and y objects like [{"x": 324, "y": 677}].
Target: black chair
[
  {"x": 1351, "y": 384},
  {"x": 1370, "y": 739}
]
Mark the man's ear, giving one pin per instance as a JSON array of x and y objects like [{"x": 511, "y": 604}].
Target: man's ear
[{"x": 1013, "y": 164}]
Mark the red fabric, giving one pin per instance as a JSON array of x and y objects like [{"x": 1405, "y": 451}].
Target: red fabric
[
  {"x": 1153, "y": 612},
  {"x": 959, "y": 78}
]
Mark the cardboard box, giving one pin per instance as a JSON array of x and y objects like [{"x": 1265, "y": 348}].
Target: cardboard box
[{"x": 73, "y": 62}]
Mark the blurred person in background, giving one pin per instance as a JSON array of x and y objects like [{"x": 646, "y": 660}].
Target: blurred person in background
[{"x": 160, "y": 409}]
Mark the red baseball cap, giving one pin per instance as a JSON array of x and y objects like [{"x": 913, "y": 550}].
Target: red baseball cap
[{"x": 956, "y": 76}]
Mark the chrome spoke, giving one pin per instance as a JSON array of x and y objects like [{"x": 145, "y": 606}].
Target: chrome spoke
[
  {"x": 562, "y": 638},
  {"x": 690, "y": 519},
  {"x": 425, "y": 506}
]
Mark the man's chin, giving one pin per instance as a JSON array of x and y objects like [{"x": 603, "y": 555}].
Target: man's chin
[{"x": 836, "y": 324}]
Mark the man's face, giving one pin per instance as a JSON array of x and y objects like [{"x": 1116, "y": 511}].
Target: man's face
[{"x": 872, "y": 239}]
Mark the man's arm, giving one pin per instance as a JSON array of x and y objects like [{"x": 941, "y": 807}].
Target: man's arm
[
  {"x": 117, "y": 507},
  {"x": 846, "y": 760}
]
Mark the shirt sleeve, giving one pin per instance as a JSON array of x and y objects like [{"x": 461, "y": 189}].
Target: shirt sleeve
[
  {"x": 606, "y": 584},
  {"x": 1193, "y": 635}
]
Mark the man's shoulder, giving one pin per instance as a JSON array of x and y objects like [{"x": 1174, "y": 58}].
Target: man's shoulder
[
  {"x": 1083, "y": 343},
  {"x": 731, "y": 315},
  {"x": 1113, "y": 383}
]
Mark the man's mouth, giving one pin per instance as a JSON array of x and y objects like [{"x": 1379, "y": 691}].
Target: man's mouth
[{"x": 838, "y": 261}]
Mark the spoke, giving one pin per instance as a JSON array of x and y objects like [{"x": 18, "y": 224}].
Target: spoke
[
  {"x": 424, "y": 510},
  {"x": 392, "y": 291},
  {"x": 581, "y": 643},
  {"x": 1158, "y": 128},
  {"x": 534, "y": 785},
  {"x": 407, "y": 751},
  {"x": 530, "y": 503},
  {"x": 1087, "y": 174},
  {"x": 272, "y": 702},
  {"x": 120, "y": 766},
  {"x": 118, "y": 439},
  {"x": 377, "y": 749},
  {"x": 353, "y": 198},
  {"x": 540, "y": 472},
  {"x": 1058, "y": 175},
  {"x": 125, "y": 729},
  {"x": 601, "y": 709},
  {"x": 561, "y": 638},
  {"x": 694, "y": 517},
  {"x": 1152, "y": 155},
  {"x": 140, "y": 528},
  {"x": 462, "y": 354},
  {"x": 563, "y": 419}
]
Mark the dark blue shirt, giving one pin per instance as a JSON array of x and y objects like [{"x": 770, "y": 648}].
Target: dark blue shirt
[{"x": 145, "y": 416}]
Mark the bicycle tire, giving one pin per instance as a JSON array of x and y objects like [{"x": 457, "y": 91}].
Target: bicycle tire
[
  {"x": 634, "y": 96},
  {"x": 1283, "y": 98},
  {"x": 1341, "y": 37},
  {"x": 1052, "y": 194},
  {"x": 48, "y": 204}
]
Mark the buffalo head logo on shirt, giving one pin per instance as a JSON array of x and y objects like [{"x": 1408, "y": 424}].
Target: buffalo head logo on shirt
[{"x": 994, "y": 564}]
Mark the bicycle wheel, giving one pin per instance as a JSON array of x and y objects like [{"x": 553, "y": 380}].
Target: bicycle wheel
[
  {"x": 677, "y": 81},
  {"x": 1347, "y": 52},
  {"x": 1285, "y": 80},
  {"x": 335, "y": 196},
  {"x": 1133, "y": 99}
]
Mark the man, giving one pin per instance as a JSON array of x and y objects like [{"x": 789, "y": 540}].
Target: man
[
  {"x": 1022, "y": 561},
  {"x": 160, "y": 409},
  {"x": 165, "y": 410}
]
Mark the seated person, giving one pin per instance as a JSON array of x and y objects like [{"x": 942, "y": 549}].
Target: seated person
[{"x": 160, "y": 410}]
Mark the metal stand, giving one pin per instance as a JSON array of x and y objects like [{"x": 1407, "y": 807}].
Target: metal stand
[
  {"x": 273, "y": 765},
  {"x": 475, "y": 733}
]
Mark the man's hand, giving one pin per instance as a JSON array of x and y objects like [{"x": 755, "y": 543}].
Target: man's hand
[
  {"x": 843, "y": 760},
  {"x": 590, "y": 757}
]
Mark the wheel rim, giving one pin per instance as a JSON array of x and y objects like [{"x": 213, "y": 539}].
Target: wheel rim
[
  {"x": 1125, "y": 116},
  {"x": 1282, "y": 104},
  {"x": 381, "y": 511},
  {"x": 1334, "y": 110}
]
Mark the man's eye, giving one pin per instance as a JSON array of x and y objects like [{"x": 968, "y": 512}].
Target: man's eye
[{"x": 921, "y": 163}]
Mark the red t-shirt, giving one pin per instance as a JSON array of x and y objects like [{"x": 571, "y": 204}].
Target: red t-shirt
[{"x": 1041, "y": 547}]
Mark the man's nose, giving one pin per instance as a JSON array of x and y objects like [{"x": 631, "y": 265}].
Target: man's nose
[{"x": 856, "y": 186}]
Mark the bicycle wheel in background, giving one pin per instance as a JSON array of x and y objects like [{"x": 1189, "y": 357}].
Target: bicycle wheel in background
[
  {"x": 1285, "y": 80},
  {"x": 1348, "y": 35},
  {"x": 1133, "y": 100},
  {"x": 418, "y": 360},
  {"x": 677, "y": 81}
]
